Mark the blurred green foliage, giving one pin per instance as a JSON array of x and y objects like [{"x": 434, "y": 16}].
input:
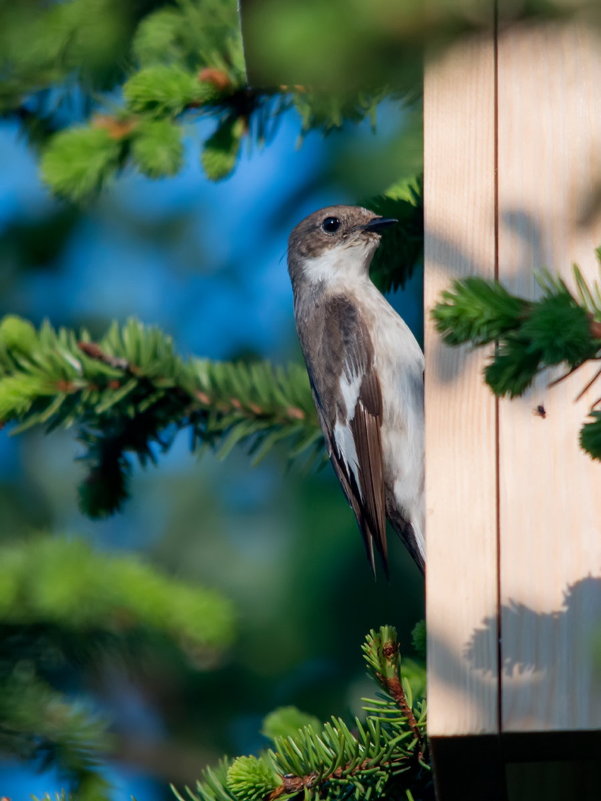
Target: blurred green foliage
[
  {"x": 43, "y": 44},
  {"x": 287, "y": 720},
  {"x": 359, "y": 45},
  {"x": 65, "y": 608},
  {"x": 157, "y": 148},
  {"x": 65, "y": 584}
]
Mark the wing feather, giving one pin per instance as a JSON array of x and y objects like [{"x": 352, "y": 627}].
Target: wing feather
[
  {"x": 347, "y": 393},
  {"x": 366, "y": 428}
]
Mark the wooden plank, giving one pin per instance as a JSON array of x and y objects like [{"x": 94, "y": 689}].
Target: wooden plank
[
  {"x": 549, "y": 106},
  {"x": 460, "y": 410}
]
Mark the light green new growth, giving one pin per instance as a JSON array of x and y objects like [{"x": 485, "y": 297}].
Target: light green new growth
[
  {"x": 157, "y": 148},
  {"x": 251, "y": 778},
  {"x": 78, "y": 161},
  {"x": 162, "y": 90}
]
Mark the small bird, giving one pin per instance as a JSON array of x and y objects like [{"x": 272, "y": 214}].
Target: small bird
[{"x": 366, "y": 371}]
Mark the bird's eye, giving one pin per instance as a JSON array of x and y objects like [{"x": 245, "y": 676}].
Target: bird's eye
[{"x": 330, "y": 224}]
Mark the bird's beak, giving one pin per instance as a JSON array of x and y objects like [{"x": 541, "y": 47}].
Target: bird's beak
[{"x": 378, "y": 223}]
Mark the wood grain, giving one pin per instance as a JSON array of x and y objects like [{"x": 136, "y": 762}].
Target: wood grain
[
  {"x": 549, "y": 105},
  {"x": 460, "y": 410}
]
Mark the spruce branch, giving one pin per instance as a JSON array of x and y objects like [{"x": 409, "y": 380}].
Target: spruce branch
[
  {"x": 558, "y": 328},
  {"x": 129, "y": 395},
  {"x": 380, "y": 756},
  {"x": 178, "y": 62}
]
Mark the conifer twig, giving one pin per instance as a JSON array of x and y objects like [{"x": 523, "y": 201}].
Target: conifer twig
[
  {"x": 563, "y": 377},
  {"x": 94, "y": 351},
  {"x": 588, "y": 385},
  {"x": 391, "y": 682}
]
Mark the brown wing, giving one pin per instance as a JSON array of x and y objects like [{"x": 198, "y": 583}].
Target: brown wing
[{"x": 339, "y": 355}]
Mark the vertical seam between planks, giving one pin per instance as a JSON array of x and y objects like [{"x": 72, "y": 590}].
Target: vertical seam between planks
[{"x": 496, "y": 400}]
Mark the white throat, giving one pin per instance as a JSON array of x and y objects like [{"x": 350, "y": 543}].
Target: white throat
[{"x": 342, "y": 263}]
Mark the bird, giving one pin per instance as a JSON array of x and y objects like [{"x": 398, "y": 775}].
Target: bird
[{"x": 366, "y": 371}]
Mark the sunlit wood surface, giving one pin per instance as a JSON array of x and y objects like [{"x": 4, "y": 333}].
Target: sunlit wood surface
[
  {"x": 460, "y": 410},
  {"x": 513, "y": 504}
]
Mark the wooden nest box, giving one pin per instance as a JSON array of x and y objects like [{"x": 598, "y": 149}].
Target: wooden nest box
[{"x": 512, "y": 185}]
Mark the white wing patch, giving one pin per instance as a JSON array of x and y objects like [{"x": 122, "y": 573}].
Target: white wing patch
[
  {"x": 345, "y": 444},
  {"x": 349, "y": 386}
]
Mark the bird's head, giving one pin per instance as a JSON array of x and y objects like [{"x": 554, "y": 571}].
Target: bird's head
[{"x": 334, "y": 243}]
